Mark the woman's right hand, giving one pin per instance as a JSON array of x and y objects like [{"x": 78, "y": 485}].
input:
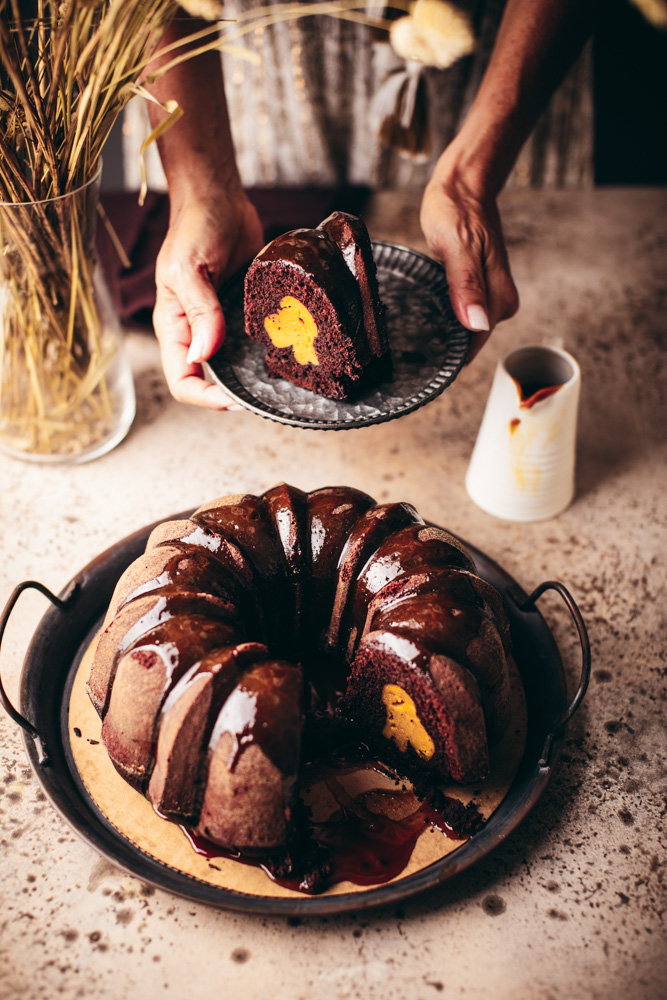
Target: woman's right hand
[
  {"x": 208, "y": 240},
  {"x": 463, "y": 231}
]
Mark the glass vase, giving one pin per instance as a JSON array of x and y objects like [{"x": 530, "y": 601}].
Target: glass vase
[{"x": 66, "y": 388}]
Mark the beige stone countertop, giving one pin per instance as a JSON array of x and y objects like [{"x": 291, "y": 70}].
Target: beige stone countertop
[{"x": 572, "y": 905}]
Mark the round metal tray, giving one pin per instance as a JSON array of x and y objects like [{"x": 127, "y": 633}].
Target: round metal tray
[
  {"x": 428, "y": 347},
  {"x": 66, "y": 630}
]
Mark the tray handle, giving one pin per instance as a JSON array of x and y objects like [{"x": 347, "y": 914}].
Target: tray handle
[
  {"x": 527, "y": 603},
  {"x": 63, "y": 604}
]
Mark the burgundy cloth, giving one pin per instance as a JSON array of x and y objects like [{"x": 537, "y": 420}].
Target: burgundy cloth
[{"x": 141, "y": 230}]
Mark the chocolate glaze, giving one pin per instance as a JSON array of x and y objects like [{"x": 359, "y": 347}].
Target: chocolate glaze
[
  {"x": 170, "y": 609},
  {"x": 204, "y": 536},
  {"x": 332, "y": 512},
  {"x": 137, "y": 618},
  {"x": 352, "y": 238},
  {"x": 144, "y": 677},
  {"x": 311, "y": 250},
  {"x": 248, "y": 525},
  {"x": 264, "y": 709},
  {"x": 366, "y": 535},
  {"x": 288, "y": 510},
  {"x": 368, "y": 840},
  {"x": 192, "y": 567},
  {"x": 186, "y": 720},
  {"x": 463, "y": 585},
  {"x": 439, "y": 621},
  {"x": 404, "y": 552}
]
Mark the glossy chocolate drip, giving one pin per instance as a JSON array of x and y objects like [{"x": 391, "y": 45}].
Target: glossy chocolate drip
[
  {"x": 191, "y": 567},
  {"x": 261, "y": 711},
  {"x": 332, "y": 513},
  {"x": 367, "y": 534},
  {"x": 246, "y": 522},
  {"x": 459, "y": 583},
  {"x": 172, "y": 608},
  {"x": 137, "y": 618},
  {"x": 440, "y": 620},
  {"x": 189, "y": 533},
  {"x": 144, "y": 677},
  {"x": 311, "y": 250},
  {"x": 367, "y": 840},
  {"x": 288, "y": 510},
  {"x": 186, "y": 722},
  {"x": 352, "y": 238},
  {"x": 370, "y": 530},
  {"x": 404, "y": 552}
]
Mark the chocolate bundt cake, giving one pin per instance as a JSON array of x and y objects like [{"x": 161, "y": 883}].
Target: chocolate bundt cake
[
  {"x": 213, "y": 636},
  {"x": 312, "y": 298}
]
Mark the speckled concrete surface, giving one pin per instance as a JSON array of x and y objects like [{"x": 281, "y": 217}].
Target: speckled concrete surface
[{"x": 573, "y": 904}]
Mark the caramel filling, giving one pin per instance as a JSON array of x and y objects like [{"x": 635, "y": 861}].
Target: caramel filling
[
  {"x": 403, "y": 725},
  {"x": 293, "y": 326}
]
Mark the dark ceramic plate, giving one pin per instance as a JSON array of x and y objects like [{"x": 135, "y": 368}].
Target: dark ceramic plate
[
  {"x": 65, "y": 632},
  {"x": 428, "y": 347}
]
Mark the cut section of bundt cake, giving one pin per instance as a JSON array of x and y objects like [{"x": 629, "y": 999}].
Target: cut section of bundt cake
[
  {"x": 311, "y": 297},
  {"x": 253, "y": 758},
  {"x": 426, "y": 704},
  {"x": 135, "y": 620},
  {"x": 143, "y": 679},
  {"x": 198, "y": 676},
  {"x": 187, "y": 717}
]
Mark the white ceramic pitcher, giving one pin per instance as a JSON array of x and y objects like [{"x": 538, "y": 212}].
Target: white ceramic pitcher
[{"x": 522, "y": 466}]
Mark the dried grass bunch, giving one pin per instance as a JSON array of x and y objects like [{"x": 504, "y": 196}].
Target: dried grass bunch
[{"x": 66, "y": 72}]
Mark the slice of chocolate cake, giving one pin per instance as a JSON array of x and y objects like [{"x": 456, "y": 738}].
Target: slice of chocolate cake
[{"x": 311, "y": 297}]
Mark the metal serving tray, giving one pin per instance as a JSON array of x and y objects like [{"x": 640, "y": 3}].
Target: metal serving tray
[{"x": 75, "y": 615}]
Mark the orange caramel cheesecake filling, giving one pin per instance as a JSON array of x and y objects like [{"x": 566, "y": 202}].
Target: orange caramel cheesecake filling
[
  {"x": 403, "y": 725},
  {"x": 293, "y": 326}
]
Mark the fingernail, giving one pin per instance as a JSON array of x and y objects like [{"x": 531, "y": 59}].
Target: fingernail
[
  {"x": 477, "y": 318},
  {"x": 194, "y": 353}
]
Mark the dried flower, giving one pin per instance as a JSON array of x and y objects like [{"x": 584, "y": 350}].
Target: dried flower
[
  {"x": 655, "y": 11},
  {"x": 435, "y": 33},
  {"x": 209, "y": 10}
]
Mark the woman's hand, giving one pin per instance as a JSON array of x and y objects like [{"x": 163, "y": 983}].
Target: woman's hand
[
  {"x": 208, "y": 240},
  {"x": 463, "y": 231},
  {"x": 536, "y": 44}
]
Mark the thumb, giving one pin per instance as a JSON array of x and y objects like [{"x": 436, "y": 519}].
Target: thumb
[
  {"x": 468, "y": 293},
  {"x": 467, "y": 287},
  {"x": 203, "y": 313}
]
